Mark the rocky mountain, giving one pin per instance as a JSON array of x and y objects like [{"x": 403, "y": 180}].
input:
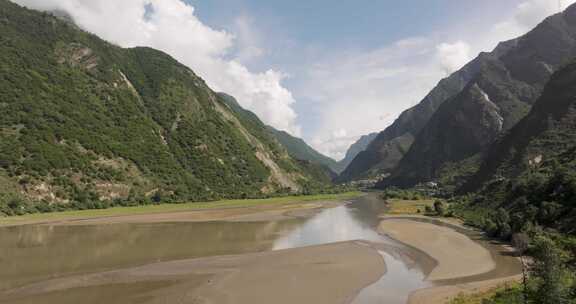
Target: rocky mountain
[
  {"x": 386, "y": 150},
  {"x": 500, "y": 93},
  {"x": 85, "y": 123},
  {"x": 546, "y": 137}
]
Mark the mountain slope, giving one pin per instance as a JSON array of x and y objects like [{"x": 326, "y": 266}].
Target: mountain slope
[
  {"x": 501, "y": 93},
  {"x": 390, "y": 145},
  {"x": 356, "y": 148},
  {"x": 86, "y": 122},
  {"x": 306, "y": 159},
  {"x": 299, "y": 149},
  {"x": 545, "y": 137}
]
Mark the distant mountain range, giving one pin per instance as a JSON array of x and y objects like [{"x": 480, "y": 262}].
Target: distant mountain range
[
  {"x": 356, "y": 148},
  {"x": 86, "y": 122},
  {"x": 444, "y": 136}
]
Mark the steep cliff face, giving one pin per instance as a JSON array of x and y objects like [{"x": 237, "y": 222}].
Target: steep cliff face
[
  {"x": 84, "y": 121},
  {"x": 545, "y": 137},
  {"x": 508, "y": 81}
]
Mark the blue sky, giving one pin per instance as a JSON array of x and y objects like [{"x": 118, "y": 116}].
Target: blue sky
[
  {"x": 328, "y": 71},
  {"x": 296, "y": 35},
  {"x": 350, "y": 24}
]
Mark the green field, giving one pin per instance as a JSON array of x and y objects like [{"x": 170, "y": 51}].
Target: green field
[
  {"x": 162, "y": 208},
  {"x": 401, "y": 206}
]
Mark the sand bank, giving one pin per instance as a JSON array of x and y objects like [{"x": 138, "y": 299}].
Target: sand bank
[
  {"x": 464, "y": 265},
  {"x": 256, "y": 213},
  {"x": 456, "y": 254},
  {"x": 332, "y": 273}
]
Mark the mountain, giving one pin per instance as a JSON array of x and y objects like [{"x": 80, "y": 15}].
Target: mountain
[
  {"x": 299, "y": 149},
  {"x": 356, "y": 148},
  {"x": 546, "y": 137},
  {"x": 306, "y": 158},
  {"x": 507, "y": 82},
  {"x": 85, "y": 122},
  {"x": 386, "y": 150}
]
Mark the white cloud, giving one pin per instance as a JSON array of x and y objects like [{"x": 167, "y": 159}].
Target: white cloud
[
  {"x": 526, "y": 16},
  {"x": 172, "y": 26},
  {"x": 336, "y": 144},
  {"x": 248, "y": 40},
  {"x": 361, "y": 92},
  {"x": 452, "y": 56}
]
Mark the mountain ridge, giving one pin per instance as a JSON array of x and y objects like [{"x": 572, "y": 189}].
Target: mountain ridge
[
  {"x": 508, "y": 82},
  {"x": 88, "y": 124},
  {"x": 546, "y": 135}
]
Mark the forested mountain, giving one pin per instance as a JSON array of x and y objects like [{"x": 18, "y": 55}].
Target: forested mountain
[
  {"x": 526, "y": 188},
  {"x": 84, "y": 122},
  {"x": 507, "y": 82},
  {"x": 309, "y": 160},
  {"x": 544, "y": 139},
  {"x": 299, "y": 149}
]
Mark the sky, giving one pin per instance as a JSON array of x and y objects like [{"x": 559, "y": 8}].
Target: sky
[{"x": 327, "y": 71}]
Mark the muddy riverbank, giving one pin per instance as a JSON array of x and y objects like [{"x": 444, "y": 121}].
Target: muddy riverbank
[{"x": 323, "y": 252}]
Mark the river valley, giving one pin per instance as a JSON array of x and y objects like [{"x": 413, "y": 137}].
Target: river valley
[{"x": 338, "y": 247}]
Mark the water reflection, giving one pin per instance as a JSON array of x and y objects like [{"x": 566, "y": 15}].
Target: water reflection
[
  {"x": 34, "y": 253},
  {"x": 332, "y": 225},
  {"x": 395, "y": 286}
]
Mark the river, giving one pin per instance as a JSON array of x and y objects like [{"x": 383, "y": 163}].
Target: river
[{"x": 34, "y": 253}]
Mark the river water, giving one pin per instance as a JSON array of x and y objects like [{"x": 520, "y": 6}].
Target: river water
[{"x": 34, "y": 253}]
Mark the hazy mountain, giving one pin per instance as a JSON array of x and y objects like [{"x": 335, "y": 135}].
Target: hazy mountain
[
  {"x": 356, "y": 148},
  {"x": 501, "y": 92},
  {"x": 85, "y": 121}
]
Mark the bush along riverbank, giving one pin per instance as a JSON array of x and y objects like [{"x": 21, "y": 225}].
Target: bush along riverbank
[{"x": 535, "y": 212}]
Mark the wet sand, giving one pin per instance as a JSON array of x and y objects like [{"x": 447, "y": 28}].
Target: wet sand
[
  {"x": 456, "y": 254},
  {"x": 466, "y": 263},
  {"x": 332, "y": 273},
  {"x": 271, "y": 212},
  {"x": 246, "y": 214}
]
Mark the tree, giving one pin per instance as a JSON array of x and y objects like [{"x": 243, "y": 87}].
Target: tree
[
  {"x": 549, "y": 273},
  {"x": 521, "y": 241},
  {"x": 439, "y": 207}
]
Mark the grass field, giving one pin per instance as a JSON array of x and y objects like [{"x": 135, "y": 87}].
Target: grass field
[
  {"x": 163, "y": 208},
  {"x": 399, "y": 206},
  {"x": 506, "y": 294}
]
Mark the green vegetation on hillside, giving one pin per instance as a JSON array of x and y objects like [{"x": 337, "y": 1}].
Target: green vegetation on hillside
[
  {"x": 299, "y": 149},
  {"x": 537, "y": 208},
  {"x": 86, "y": 124}
]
